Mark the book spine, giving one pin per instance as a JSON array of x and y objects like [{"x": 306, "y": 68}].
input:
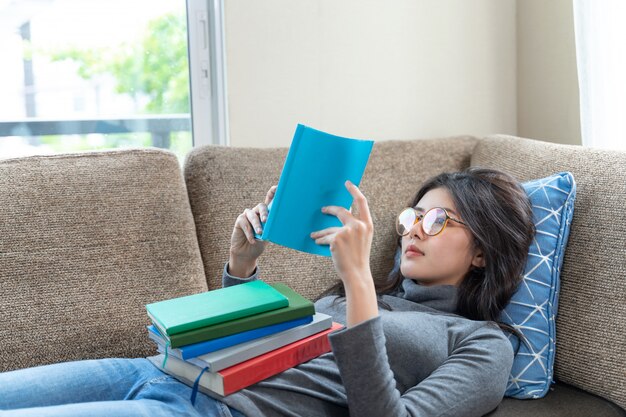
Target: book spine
[
  {"x": 244, "y": 324},
  {"x": 233, "y": 355},
  {"x": 211, "y": 346},
  {"x": 257, "y": 369},
  {"x": 284, "y": 176},
  {"x": 228, "y": 316}
]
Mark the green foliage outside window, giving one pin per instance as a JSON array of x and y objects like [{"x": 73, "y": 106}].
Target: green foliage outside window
[
  {"x": 153, "y": 71},
  {"x": 155, "y": 68}
]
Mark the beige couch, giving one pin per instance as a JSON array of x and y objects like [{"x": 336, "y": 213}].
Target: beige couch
[{"x": 86, "y": 240}]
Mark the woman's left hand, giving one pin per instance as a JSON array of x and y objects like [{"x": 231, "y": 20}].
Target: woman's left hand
[{"x": 350, "y": 244}]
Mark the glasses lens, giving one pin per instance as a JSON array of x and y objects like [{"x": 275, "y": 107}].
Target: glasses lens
[
  {"x": 433, "y": 221},
  {"x": 405, "y": 221}
]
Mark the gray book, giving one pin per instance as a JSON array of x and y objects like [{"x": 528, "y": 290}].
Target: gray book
[{"x": 233, "y": 355}]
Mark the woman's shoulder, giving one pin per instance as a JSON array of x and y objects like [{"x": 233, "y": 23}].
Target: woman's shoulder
[
  {"x": 462, "y": 330},
  {"x": 485, "y": 334}
]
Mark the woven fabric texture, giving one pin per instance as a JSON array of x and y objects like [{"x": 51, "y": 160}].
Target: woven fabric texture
[
  {"x": 590, "y": 337},
  {"x": 223, "y": 181},
  {"x": 86, "y": 240},
  {"x": 562, "y": 401}
]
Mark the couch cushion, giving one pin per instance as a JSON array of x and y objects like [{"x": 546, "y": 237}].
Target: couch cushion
[
  {"x": 561, "y": 401},
  {"x": 590, "y": 337},
  {"x": 86, "y": 240},
  {"x": 223, "y": 181}
]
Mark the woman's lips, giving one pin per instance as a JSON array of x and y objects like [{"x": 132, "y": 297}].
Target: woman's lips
[{"x": 413, "y": 251}]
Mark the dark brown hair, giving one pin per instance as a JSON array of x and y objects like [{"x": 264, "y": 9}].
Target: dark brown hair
[{"x": 498, "y": 213}]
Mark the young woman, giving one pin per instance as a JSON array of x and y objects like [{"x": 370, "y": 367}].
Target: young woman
[{"x": 423, "y": 342}]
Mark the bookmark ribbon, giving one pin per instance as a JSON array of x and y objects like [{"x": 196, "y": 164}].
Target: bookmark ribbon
[
  {"x": 167, "y": 349},
  {"x": 194, "y": 391}
]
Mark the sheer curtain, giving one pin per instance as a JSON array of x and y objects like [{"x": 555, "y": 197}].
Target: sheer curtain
[{"x": 600, "y": 28}]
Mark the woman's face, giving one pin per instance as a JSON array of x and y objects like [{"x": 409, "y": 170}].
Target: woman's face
[{"x": 444, "y": 259}]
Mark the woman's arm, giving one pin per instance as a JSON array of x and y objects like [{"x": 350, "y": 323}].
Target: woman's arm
[
  {"x": 244, "y": 248},
  {"x": 229, "y": 279},
  {"x": 471, "y": 382},
  {"x": 350, "y": 247}
]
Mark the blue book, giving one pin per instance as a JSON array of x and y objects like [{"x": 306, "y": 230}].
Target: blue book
[
  {"x": 314, "y": 175},
  {"x": 202, "y": 348}
]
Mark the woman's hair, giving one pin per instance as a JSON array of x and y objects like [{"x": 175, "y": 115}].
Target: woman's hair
[{"x": 497, "y": 211}]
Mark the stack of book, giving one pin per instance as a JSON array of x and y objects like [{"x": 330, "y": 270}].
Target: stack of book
[{"x": 236, "y": 336}]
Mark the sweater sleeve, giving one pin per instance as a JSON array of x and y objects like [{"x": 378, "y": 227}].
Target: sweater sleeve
[
  {"x": 229, "y": 280},
  {"x": 471, "y": 382}
]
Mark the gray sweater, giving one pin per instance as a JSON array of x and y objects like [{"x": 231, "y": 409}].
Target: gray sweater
[{"x": 420, "y": 359}]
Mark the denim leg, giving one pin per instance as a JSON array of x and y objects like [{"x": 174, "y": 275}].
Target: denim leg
[
  {"x": 235, "y": 413},
  {"x": 74, "y": 382},
  {"x": 134, "y": 408},
  {"x": 105, "y": 387},
  {"x": 163, "y": 396}
]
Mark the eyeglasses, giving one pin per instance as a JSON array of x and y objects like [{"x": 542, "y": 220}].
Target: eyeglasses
[{"x": 433, "y": 221}]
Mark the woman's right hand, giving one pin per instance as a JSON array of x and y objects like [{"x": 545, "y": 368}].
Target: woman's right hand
[{"x": 244, "y": 248}]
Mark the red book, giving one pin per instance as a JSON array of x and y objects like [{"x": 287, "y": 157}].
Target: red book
[{"x": 253, "y": 370}]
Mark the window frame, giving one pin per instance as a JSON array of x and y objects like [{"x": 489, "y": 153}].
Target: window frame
[{"x": 207, "y": 72}]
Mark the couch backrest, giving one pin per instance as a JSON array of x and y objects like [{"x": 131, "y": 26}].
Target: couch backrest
[
  {"x": 223, "y": 181},
  {"x": 86, "y": 240},
  {"x": 591, "y": 320}
]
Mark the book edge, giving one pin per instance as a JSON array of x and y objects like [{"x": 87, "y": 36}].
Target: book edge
[{"x": 291, "y": 155}]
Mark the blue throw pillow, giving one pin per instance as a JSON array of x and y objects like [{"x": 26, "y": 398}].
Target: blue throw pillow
[{"x": 532, "y": 309}]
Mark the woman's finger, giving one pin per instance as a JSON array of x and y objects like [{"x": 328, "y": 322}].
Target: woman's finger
[
  {"x": 325, "y": 232},
  {"x": 253, "y": 218},
  {"x": 243, "y": 223},
  {"x": 341, "y": 213},
  {"x": 326, "y": 239},
  {"x": 261, "y": 209},
  {"x": 270, "y": 194},
  {"x": 359, "y": 202}
]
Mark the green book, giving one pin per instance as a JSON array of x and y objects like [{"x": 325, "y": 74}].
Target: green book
[
  {"x": 184, "y": 314},
  {"x": 298, "y": 307}
]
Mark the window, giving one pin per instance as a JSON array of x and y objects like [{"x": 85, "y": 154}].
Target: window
[{"x": 84, "y": 75}]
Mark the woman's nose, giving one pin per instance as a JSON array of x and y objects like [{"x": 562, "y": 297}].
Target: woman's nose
[{"x": 417, "y": 230}]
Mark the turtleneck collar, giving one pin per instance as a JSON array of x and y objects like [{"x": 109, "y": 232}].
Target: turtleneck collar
[{"x": 439, "y": 297}]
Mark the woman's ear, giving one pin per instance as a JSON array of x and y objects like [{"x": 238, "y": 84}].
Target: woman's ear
[{"x": 478, "y": 260}]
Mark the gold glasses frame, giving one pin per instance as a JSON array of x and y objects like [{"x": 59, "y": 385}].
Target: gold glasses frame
[{"x": 419, "y": 217}]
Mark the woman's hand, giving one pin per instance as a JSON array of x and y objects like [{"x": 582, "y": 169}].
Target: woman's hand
[
  {"x": 350, "y": 244},
  {"x": 350, "y": 247},
  {"x": 244, "y": 248}
]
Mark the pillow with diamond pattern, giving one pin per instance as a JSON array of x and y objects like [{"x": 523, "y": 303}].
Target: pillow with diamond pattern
[{"x": 532, "y": 309}]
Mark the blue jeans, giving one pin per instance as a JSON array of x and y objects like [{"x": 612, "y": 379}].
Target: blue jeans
[{"x": 104, "y": 387}]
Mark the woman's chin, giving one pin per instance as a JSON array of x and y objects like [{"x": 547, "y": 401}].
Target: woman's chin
[
  {"x": 425, "y": 282},
  {"x": 419, "y": 279},
  {"x": 410, "y": 273}
]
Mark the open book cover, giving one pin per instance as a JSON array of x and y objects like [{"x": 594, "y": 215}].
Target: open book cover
[{"x": 314, "y": 175}]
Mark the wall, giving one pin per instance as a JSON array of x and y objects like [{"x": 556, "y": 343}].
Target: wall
[
  {"x": 547, "y": 81},
  {"x": 370, "y": 68}
]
